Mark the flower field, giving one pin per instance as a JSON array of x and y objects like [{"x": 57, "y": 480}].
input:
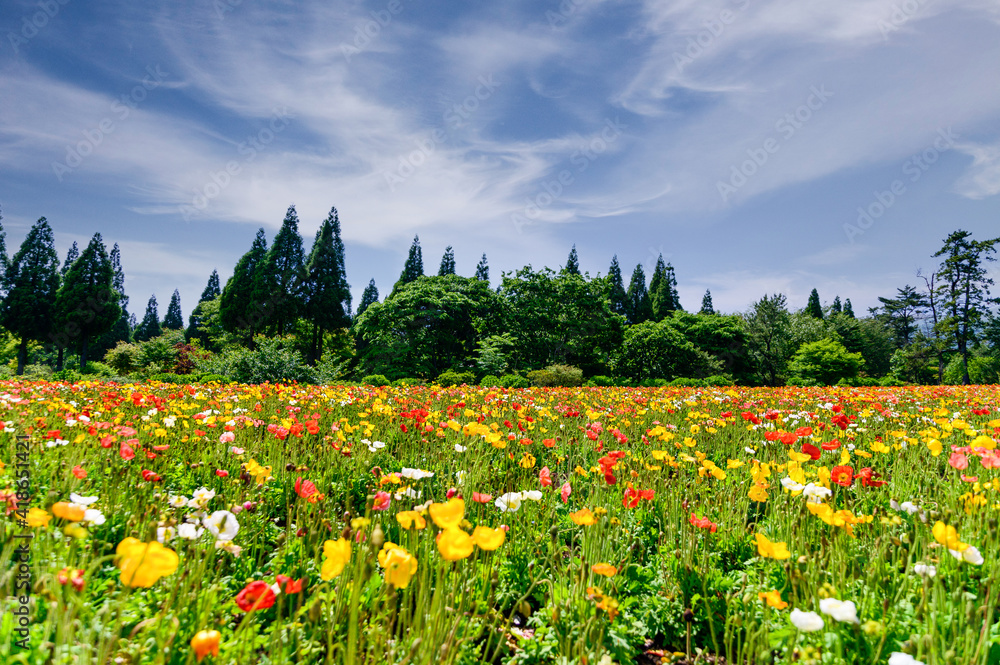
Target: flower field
[{"x": 213, "y": 523}]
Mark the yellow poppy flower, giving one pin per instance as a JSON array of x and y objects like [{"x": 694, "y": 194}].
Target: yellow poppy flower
[
  {"x": 68, "y": 511},
  {"x": 38, "y": 517},
  {"x": 773, "y": 599},
  {"x": 336, "y": 555},
  {"x": 142, "y": 564},
  {"x": 409, "y": 519},
  {"x": 399, "y": 565},
  {"x": 448, "y": 515},
  {"x": 454, "y": 544},
  {"x": 487, "y": 538},
  {"x": 771, "y": 550},
  {"x": 605, "y": 569},
  {"x": 948, "y": 536},
  {"x": 583, "y": 517}
]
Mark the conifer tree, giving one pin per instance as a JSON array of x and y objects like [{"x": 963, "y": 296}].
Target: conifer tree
[
  {"x": 848, "y": 309},
  {"x": 813, "y": 308},
  {"x": 72, "y": 255},
  {"x": 121, "y": 330},
  {"x": 237, "y": 311},
  {"x": 368, "y": 298},
  {"x": 671, "y": 281},
  {"x": 656, "y": 293},
  {"x": 87, "y": 302},
  {"x": 278, "y": 284},
  {"x": 639, "y": 307},
  {"x": 447, "y": 262},
  {"x": 483, "y": 270},
  {"x": 150, "y": 325},
  {"x": 414, "y": 266},
  {"x": 572, "y": 262},
  {"x": 328, "y": 295},
  {"x": 174, "y": 319},
  {"x": 616, "y": 289},
  {"x": 706, "y": 303},
  {"x": 4, "y": 260},
  {"x": 212, "y": 288},
  {"x": 31, "y": 282},
  {"x": 836, "y": 307},
  {"x": 210, "y": 293}
]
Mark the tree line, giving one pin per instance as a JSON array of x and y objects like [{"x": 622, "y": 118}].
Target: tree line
[{"x": 543, "y": 325}]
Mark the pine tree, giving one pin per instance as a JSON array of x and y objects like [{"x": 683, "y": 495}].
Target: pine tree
[
  {"x": 639, "y": 307},
  {"x": 414, "y": 266},
  {"x": 836, "y": 307},
  {"x": 31, "y": 282},
  {"x": 90, "y": 280},
  {"x": 706, "y": 304},
  {"x": 848, "y": 309},
  {"x": 236, "y": 309},
  {"x": 616, "y": 289},
  {"x": 660, "y": 308},
  {"x": 447, "y": 262},
  {"x": 671, "y": 281},
  {"x": 483, "y": 270},
  {"x": 572, "y": 262},
  {"x": 212, "y": 288},
  {"x": 278, "y": 284},
  {"x": 4, "y": 260},
  {"x": 150, "y": 325},
  {"x": 813, "y": 308},
  {"x": 72, "y": 255},
  {"x": 121, "y": 331},
  {"x": 328, "y": 303},
  {"x": 210, "y": 293},
  {"x": 174, "y": 320},
  {"x": 368, "y": 298}
]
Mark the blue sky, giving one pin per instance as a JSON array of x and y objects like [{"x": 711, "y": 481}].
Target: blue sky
[{"x": 737, "y": 137}]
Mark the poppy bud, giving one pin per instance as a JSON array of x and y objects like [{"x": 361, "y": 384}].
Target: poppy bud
[
  {"x": 688, "y": 616},
  {"x": 289, "y": 467},
  {"x": 378, "y": 536}
]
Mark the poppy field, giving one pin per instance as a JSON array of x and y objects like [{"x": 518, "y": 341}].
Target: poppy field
[{"x": 215, "y": 523}]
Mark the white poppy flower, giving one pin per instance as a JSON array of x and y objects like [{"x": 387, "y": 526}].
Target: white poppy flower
[
  {"x": 459, "y": 448},
  {"x": 510, "y": 501},
  {"x": 165, "y": 534},
  {"x": 791, "y": 485},
  {"x": 924, "y": 569},
  {"x": 177, "y": 501},
  {"x": 816, "y": 492},
  {"x": 534, "y": 495},
  {"x": 416, "y": 474},
  {"x": 189, "y": 531},
  {"x": 841, "y": 610},
  {"x": 93, "y": 517},
  {"x": 807, "y": 622},
  {"x": 82, "y": 500},
  {"x": 909, "y": 507},
  {"x": 222, "y": 524},
  {"x": 970, "y": 555},
  {"x": 897, "y": 658}
]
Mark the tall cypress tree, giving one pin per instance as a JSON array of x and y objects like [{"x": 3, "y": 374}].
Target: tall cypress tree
[
  {"x": 414, "y": 266},
  {"x": 671, "y": 281},
  {"x": 639, "y": 307},
  {"x": 813, "y": 308},
  {"x": 706, "y": 303},
  {"x": 616, "y": 289},
  {"x": 328, "y": 295},
  {"x": 87, "y": 302},
  {"x": 121, "y": 331},
  {"x": 174, "y": 319},
  {"x": 210, "y": 293},
  {"x": 848, "y": 309},
  {"x": 236, "y": 310},
  {"x": 278, "y": 286},
  {"x": 31, "y": 282},
  {"x": 836, "y": 307},
  {"x": 656, "y": 293},
  {"x": 368, "y": 298},
  {"x": 483, "y": 269},
  {"x": 150, "y": 325},
  {"x": 572, "y": 262},
  {"x": 212, "y": 288},
  {"x": 4, "y": 260},
  {"x": 447, "y": 262},
  {"x": 71, "y": 255}
]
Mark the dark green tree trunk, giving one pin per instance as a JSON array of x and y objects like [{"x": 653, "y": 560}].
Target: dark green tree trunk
[{"x": 22, "y": 356}]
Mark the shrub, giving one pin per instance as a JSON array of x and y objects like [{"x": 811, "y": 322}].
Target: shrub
[
  {"x": 124, "y": 358},
  {"x": 409, "y": 382},
  {"x": 684, "y": 382},
  {"x": 490, "y": 381},
  {"x": 557, "y": 375},
  {"x": 212, "y": 378},
  {"x": 168, "y": 377},
  {"x": 452, "y": 378},
  {"x": 824, "y": 362},
  {"x": 719, "y": 380},
  {"x": 270, "y": 362},
  {"x": 601, "y": 381},
  {"x": 514, "y": 381},
  {"x": 374, "y": 380},
  {"x": 66, "y": 375},
  {"x": 37, "y": 372}
]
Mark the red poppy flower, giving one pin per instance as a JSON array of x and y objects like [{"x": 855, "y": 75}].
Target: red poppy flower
[
  {"x": 788, "y": 438},
  {"x": 288, "y": 585},
  {"x": 832, "y": 445},
  {"x": 149, "y": 476},
  {"x": 305, "y": 488},
  {"x": 481, "y": 498},
  {"x": 811, "y": 450},
  {"x": 703, "y": 523},
  {"x": 870, "y": 478},
  {"x": 79, "y": 472},
  {"x": 256, "y": 595},
  {"x": 545, "y": 477},
  {"x": 804, "y": 431},
  {"x": 126, "y": 452},
  {"x": 842, "y": 475}
]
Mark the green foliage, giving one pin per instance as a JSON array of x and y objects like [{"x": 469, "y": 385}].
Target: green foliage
[
  {"x": 556, "y": 375},
  {"x": 270, "y": 361},
  {"x": 409, "y": 382},
  {"x": 983, "y": 369},
  {"x": 327, "y": 293},
  {"x": 483, "y": 269},
  {"x": 768, "y": 329},
  {"x": 813, "y": 307},
  {"x": 658, "y": 350},
  {"x": 453, "y": 378},
  {"x": 239, "y": 312},
  {"x": 31, "y": 284},
  {"x": 514, "y": 381},
  {"x": 150, "y": 325},
  {"x": 174, "y": 320},
  {"x": 374, "y": 380},
  {"x": 447, "y": 262},
  {"x": 494, "y": 353},
  {"x": 278, "y": 287},
  {"x": 490, "y": 381},
  {"x": 638, "y": 306},
  {"x": 125, "y": 358},
  {"x": 824, "y": 362},
  {"x": 413, "y": 269},
  {"x": 600, "y": 381}
]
